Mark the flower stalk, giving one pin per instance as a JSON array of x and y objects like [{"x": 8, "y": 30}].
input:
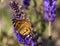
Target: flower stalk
[
  {"x": 49, "y": 29},
  {"x": 50, "y": 13}
]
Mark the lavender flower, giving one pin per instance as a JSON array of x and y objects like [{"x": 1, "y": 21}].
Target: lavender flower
[
  {"x": 18, "y": 14},
  {"x": 50, "y": 10},
  {"x": 26, "y": 3},
  {"x": 30, "y": 42},
  {"x": 19, "y": 37},
  {"x": 14, "y": 6}
]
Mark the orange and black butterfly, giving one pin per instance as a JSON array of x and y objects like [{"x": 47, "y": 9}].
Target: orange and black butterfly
[{"x": 22, "y": 26}]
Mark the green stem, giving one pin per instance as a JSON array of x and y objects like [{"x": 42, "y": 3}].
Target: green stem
[{"x": 49, "y": 30}]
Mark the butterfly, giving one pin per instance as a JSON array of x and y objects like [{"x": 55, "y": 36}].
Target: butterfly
[{"x": 22, "y": 26}]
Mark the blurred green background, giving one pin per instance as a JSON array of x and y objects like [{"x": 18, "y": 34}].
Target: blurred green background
[{"x": 36, "y": 16}]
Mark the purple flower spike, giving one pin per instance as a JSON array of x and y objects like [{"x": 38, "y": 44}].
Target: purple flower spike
[
  {"x": 14, "y": 5},
  {"x": 29, "y": 41},
  {"x": 18, "y": 15},
  {"x": 19, "y": 37},
  {"x": 26, "y": 3},
  {"x": 50, "y": 10}
]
